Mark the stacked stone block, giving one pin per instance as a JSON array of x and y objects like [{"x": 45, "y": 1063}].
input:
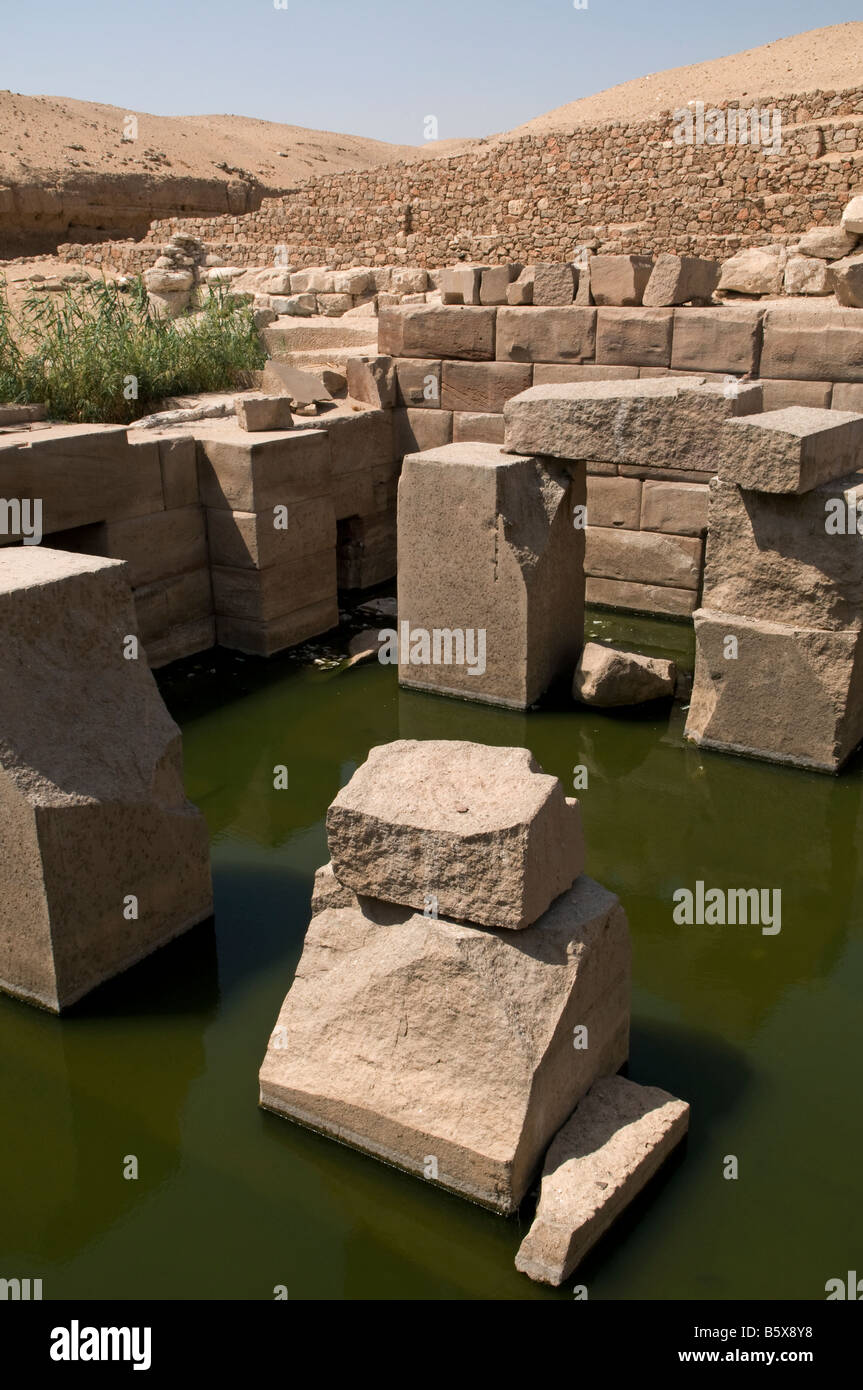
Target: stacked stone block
[
  {"x": 779, "y": 635},
  {"x": 455, "y": 948}
]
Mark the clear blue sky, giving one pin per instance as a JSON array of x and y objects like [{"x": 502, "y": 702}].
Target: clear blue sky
[{"x": 374, "y": 67}]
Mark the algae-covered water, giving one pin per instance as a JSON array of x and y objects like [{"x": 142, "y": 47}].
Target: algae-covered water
[{"x": 762, "y": 1034}]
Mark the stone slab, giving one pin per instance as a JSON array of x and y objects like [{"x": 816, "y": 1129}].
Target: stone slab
[
  {"x": 634, "y": 337},
  {"x": 631, "y": 597},
  {"x": 726, "y": 339},
  {"x": 645, "y": 557},
  {"x": 790, "y": 450},
  {"x": 437, "y": 330}
]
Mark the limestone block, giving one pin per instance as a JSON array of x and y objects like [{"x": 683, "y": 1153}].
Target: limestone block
[
  {"x": 417, "y": 430},
  {"x": 461, "y": 285},
  {"x": 847, "y": 396},
  {"x": 608, "y": 676},
  {"x": 265, "y": 638},
  {"x": 774, "y": 555},
  {"x": 179, "y": 464},
  {"x": 476, "y": 427},
  {"x": 179, "y": 599},
  {"x": 634, "y": 337},
  {"x": 614, "y": 502},
  {"x": 546, "y": 335},
  {"x": 813, "y": 345},
  {"x": 334, "y": 305},
  {"x": 483, "y": 829},
  {"x": 754, "y": 270},
  {"x": 717, "y": 340},
  {"x": 487, "y": 548},
  {"x": 482, "y": 386},
  {"x": 640, "y": 598},
  {"x": 82, "y": 474},
  {"x": 92, "y": 806},
  {"x": 168, "y": 282},
  {"x": 792, "y": 695},
  {"x": 779, "y": 394},
  {"x": 356, "y": 281},
  {"x": 852, "y": 217},
  {"x": 617, "y": 1139},
  {"x": 418, "y": 383},
  {"x": 647, "y": 557},
  {"x": 828, "y": 243},
  {"x": 373, "y": 380},
  {"x": 669, "y": 422},
  {"x": 300, "y": 306},
  {"x": 354, "y": 494},
  {"x": 553, "y": 284},
  {"x": 520, "y": 291},
  {"x": 483, "y": 1082},
  {"x": 367, "y": 550},
  {"x": 790, "y": 450},
  {"x": 677, "y": 508},
  {"x": 256, "y": 540},
  {"x": 495, "y": 282},
  {"x": 845, "y": 279},
  {"x": 807, "y": 275},
  {"x": 154, "y": 546},
  {"x": 550, "y": 373},
  {"x": 619, "y": 279},
  {"x": 262, "y": 595},
  {"x": 437, "y": 330},
  {"x": 359, "y": 440},
  {"x": 678, "y": 279},
  {"x": 245, "y": 474},
  {"x": 408, "y": 280},
  {"x": 260, "y": 412},
  {"x": 313, "y": 281}
]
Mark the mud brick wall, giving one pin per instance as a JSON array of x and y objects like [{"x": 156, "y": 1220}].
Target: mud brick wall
[
  {"x": 626, "y": 184},
  {"x": 454, "y": 367}
]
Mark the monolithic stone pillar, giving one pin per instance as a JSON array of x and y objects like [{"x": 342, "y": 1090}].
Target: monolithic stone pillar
[
  {"x": 491, "y": 573},
  {"x": 102, "y": 858}
]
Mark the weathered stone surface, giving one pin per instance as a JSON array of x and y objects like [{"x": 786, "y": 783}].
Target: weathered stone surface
[
  {"x": 677, "y": 508},
  {"x": 678, "y": 279},
  {"x": 852, "y": 216},
  {"x": 790, "y": 450},
  {"x": 845, "y": 279},
  {"x": 483, "y": 830},
  {"x": 646, "y": 557},
  {"x": 779, "y": 394},
  {"x": 255, "y": 540},
  {"x": 259, "y": 412},
  {"x": 245, "y": 474},
  {"x": 479, "y": 1084},
  {"x": 373, "y": 380},
  {"x": 775, "y": 557},
  {"x": 546, "y": 335},
  {"x": 640, "y": 598},
  {"x": 417, "y": 430},
  {"x": 553, "y": 284},
  {"x": 550, "y": 373},
  {"x": 828, "y": 243},
  {"x": 716, "y": 340},
  {"x": 82, "y": 474},
  {"x": 262, "y": 595},
  {"x": 303, "y": 388},
  {"x": 265, "y": 638},
  {"x": 418, "y": 383},
  {"x": 495, "y": 282},
  {"x": 608, "y": 676},
  {"x": 187, "y": 639},
  {"x": 358, "y": 440},
  {"x": 617, "y": 1139},
  {"x": 668, "y": 422},
  {"x": 619, "y": 279},
  {"x": 815, "y": 345},
  {"x": 461, "y": 284},
  {"x": 520, "y": 291},
  {"x": 754, "y": 270},
  {"x": 806, "y": 275},
  {"x": 792, "y": 695},
  {"x": 179, "y": 464},
  {"x": 848, "y": 396},
  {"x": 487, "y": 547},
  {"x": 614, "y": 502},
  {"x": 92, "y": 806},
  {"x": 634, "y": 337},
  {"x": 154, "y": 546},
  {"x": 482, "y": 386},
  {"x": 437, "y": 330},
  {"x": 476, "y": 427}
]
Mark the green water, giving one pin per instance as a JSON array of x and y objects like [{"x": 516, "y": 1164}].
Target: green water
[{"x": 761, "y": 1034}]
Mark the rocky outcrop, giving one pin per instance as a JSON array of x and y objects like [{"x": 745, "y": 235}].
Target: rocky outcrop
[{"x": 102, "y": 858}]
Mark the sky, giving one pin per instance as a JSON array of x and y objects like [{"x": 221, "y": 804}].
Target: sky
[{"x": 376, "y": 69}]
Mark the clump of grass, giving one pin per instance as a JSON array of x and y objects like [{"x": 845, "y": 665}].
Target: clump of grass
[{"x": 97, "y": 354}]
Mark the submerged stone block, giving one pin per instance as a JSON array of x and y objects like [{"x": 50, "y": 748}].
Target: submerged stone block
[
  {"x": 482, "y": 830},
  {"x": 781, "y": 692},
  {"x": 94, "y": 821},
  {"x": 489, "y": 557},
  {"x": 617, "y": 1139},
  {"x": 447, "y": 1049}
]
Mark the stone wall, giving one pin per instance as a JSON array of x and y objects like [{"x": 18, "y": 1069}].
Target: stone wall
[{"x": 627, "y": 185}]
